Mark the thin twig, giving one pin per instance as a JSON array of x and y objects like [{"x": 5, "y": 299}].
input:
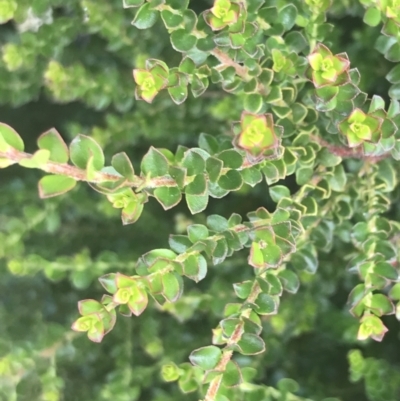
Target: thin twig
[
  {"x": 343, "y": 152},
  {"x": 224, "y": 59},
  {"x": 80, "y": 175},
  {"x": 227, "y": 352}
]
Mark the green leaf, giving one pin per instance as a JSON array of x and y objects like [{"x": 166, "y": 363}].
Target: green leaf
[
  {"x": 187, "y": 66},
  {"x": 145, "y": 17},
  {"x": 206, "y": 358},
  {"x": 386, "y": 270},
  {"x": 89, "y": 306},
  {"x": 287, "y": 16},
  {"x": 393, "y": 76},
  {"x": 108, "y": 282},
  {"x": 288, "y": 386},
  {"x": 11, "y": 138},
  {"x": 394, "y": 91},
  {"x": 243, "y": 289},
  {"x": 328, "y": 159},
  {"x": 171, "y": 20},
  {"x": 306, "y": 259},
  {"x": 178, "y": 94},
  {"x": 289, "y": 280},
  {"x": 379, "y": 304},
  {"x": 229, "y": 326},
  {"x": 179, "y": 243},
  {"x": 256, "y": 258},
  {"x": 251, "y": 344},
  {"x": 217, "y": 223},
  {"x": 52, "y": 141},
  {"x": 154, "y": 163},
  {"x": 251, "y": 176},
  {"x": 170, "y": 372},
  {"x": 232, "y": 375},
  {"x": 266, "y": 305},
  {"x": 220, "y": 252},
  {"x": 53, "y": 185},
  {"x": 168, "y": 196},
  {"x": 295, "y": 41},
  {"x": 131, "y": 212},
  {"x": 178, "y": 174},
  {"x": 338, "y": 179},
  {"x": 132, "y": 3},
  {"x": 214, "y": 168},
  {"x": 253, "y": 103},
  {"x": 231, "y": 181},
  {"x": 198, "y": 186},
  {"x": 194, "y": 163},
  {"x": 372, "y": 16},
  {"x": 195, "y": 267},
  {"x": 208, "y": 143},
  {"x": 197, "y": 232},
  {"x": 38, "y": 159},
  {"x": 182, "y": 41},
  {"x": 304, "y": 175},
  {"x": 196, "y": 203},
  {"x": 278, "y": 192},
  {"x": 82, "y": 148},
  {"x": 172, "y": 286},
  {"x": 393, "y": 54},
  {"x": 271, "y": 173},
  {"x": 371, "y": 326},
  {"x": 123, "y": 165},
  {"x": 231, "y": 159}
]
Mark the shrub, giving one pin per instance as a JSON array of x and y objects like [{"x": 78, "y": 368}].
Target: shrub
[{"x": 289, "y": 134}]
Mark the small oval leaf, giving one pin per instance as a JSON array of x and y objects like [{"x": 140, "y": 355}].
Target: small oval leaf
[{"x": 54, "y": 185}]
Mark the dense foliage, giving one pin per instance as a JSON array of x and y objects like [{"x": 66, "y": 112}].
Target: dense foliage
[{"x": 255, "y": 148}]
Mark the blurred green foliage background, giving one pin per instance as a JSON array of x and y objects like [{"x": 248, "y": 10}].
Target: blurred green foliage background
[{"x": 68, "y": 64}]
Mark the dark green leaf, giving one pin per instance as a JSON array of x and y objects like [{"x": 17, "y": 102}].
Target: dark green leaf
[
  {"x": 179, "y": 243},
  {"x": 266, "y": 305},
  {"x": 206, "y": 357},
  {"x": 279, "y": 191},
  {"x": 182, "y": 41},
  {"x": 251, "y": 344},
  {"x": 231, "y": 181},
  {"x": 232, "y": 375},
  {"x": 194, "y": 163},
  {"x": 289, "y": 280},
  {"x": 198, "y": 186},
  {"x": 231, "y": 158},
  {"x": 172, "y": 286},
  {"x": 154, "y": 163},
  {"x": 217, "y": 223},
  {"x": 213, "y": 168},
  {"x": 168, "y": 196}
]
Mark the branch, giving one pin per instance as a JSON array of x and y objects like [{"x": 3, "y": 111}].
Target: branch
[
  {"x": 343, "y": 152},
  {"x": 78, "y": 174},
  {"x": 227, "y": 352},
  {"x": 16, "y": 156},
  {"x": 224, "y": 59}
]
